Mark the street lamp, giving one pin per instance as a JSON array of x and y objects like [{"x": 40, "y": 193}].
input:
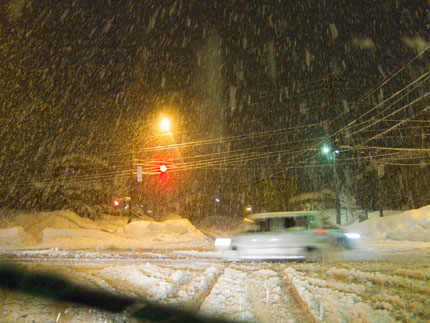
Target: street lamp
[
  {"x": 165, "y": 125},
  {"x": 326, "y": 150},
  {"x": 332, "y": 153}
]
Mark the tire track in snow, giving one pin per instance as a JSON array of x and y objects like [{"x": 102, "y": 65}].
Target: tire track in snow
[
  {"x": 404, "y": 297},
  {"x": 205, "y": 293},
  {"x": 272, "y": 298},
  {"x": 228, "y": 297},
  {"x": 254, "y": 293},
  {"x": 339, "y": 294}
]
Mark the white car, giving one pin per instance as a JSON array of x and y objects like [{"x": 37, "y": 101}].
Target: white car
[{"x": 284, "y": 235}]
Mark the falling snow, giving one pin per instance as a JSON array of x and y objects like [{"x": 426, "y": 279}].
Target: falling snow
[{"x": 253, "y": 91}]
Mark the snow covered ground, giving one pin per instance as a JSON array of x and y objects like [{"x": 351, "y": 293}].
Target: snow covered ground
[
  {"x": 251, "y": 292},
  {"x": 386, "y": 280}
]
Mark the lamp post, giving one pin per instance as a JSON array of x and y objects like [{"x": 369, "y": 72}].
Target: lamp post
[
  {"x": 165, "y": 125},
  {"x": 332, "y": 155}
]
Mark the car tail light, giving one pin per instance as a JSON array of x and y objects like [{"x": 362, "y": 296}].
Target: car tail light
[{"x": 321, "y": 231}]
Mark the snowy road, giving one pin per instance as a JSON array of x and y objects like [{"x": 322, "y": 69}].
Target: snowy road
[
  {"x": 383, "y": 282},
  {"x": 375, "y": 251}
]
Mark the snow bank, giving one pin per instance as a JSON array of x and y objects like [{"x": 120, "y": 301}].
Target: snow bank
[
  {"x": 52, "y": 234},
  {"x": 412, "y": 225},
  {"x": 12, "y": 236},
  {"x": 66, "y": 229},
  {"x": 110, "y": 222},
  {"x": 34, "y": 223},
  {"x": 167, "y": 231}
]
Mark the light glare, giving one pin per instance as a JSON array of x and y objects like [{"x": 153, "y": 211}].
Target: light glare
[
  {"x": 222, "y": 242},
  {"x": 353, "y": 235},
  {"x": 165, "y": 125}
]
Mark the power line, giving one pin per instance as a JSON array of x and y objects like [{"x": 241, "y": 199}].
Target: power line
[
  {"x": 355, "y": 106},
  {"x": 212, "y": 164},
  {"x": 237, "y": 152},
  {"x": 406, "y": 164},
  {"x": 224, "y": 140},
  {"x": 368, "y": 94},
  {"x": 319, "y": 143},
  {"x": 395, "y": 126},
  {"x": 394, "y": 148},
  {"x": 391, "y": 114}
]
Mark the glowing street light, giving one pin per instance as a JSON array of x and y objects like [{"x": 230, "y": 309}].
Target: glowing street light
[
  {"x": 326, "y": 150},
  {"x": 165, "y": 125}
]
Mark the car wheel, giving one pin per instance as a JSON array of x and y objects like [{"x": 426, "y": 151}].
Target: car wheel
[{"x": 313, "y": 253}]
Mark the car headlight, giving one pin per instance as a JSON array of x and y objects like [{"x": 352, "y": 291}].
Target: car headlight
[
  {"x": 222, "y": 242},
  {"x": 353, "y": 235}
]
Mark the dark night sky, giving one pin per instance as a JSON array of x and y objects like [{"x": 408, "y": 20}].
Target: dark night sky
[{"x": 68, "y": 67}]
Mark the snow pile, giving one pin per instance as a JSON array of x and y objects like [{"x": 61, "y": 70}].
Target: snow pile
[
  {"x": 412, "y": 225},
  {"x": 33, "y": 225},
  {"x": 110, "y": 223},
  {"x": 13, "y": 235},
  {"x": 52, "y": 234},
  {"x": 35, "y": 222},
  {"x": 65, "y": 229},
  {"x": 167, "y": 231}
]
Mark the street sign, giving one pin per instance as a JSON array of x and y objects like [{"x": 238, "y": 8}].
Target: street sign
[{"x": 139, "y": 173}]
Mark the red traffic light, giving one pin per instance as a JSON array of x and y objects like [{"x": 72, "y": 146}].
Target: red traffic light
[
  {"x": 163, "y": 168},
  {"x": 116, "y": 203}
]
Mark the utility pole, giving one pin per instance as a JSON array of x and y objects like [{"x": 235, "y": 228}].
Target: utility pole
[
  {"x": 332, "y": 84},
  {"x": 332, "y": 155},
  {"x": 336, "y": 187}
]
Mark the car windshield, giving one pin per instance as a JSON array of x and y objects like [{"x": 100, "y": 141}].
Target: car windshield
[{"x": 136, "y": 135}]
